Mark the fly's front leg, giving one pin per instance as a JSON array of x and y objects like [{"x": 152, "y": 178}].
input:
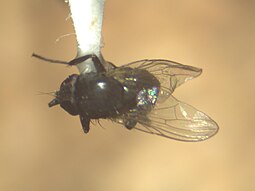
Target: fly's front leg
[
  {"x": 97, "y": 63},
  {"x": 48, "y": 59},
  {"x": 85, "y": 121}
]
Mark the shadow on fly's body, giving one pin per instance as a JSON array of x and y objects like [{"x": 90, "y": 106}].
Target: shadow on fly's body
[{"x": 137, "y": 95}]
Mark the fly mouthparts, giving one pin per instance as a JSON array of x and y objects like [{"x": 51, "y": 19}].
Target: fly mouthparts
[{"x": 53, "y": 102}]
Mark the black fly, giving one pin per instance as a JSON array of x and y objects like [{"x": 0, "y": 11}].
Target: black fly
[{"x": 137, "y": 95}]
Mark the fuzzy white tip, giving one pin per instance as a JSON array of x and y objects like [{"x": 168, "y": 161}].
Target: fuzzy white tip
[{"x": 87, "y": 16}]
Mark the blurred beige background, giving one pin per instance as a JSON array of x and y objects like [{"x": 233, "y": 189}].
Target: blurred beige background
[{"x": 45, "y": 149}]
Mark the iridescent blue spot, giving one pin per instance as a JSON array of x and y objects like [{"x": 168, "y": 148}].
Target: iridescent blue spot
[{"x": 147, "y": 98}]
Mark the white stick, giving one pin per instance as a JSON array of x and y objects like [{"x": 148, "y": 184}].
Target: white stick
[{"x": 87, "y": 16}]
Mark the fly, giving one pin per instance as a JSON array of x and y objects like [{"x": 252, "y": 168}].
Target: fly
[{"x": 137, "y": 95}]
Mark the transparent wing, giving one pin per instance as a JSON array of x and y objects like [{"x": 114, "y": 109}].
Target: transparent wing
[
  {"x": 170, "y": 74},
  {"x": 177, "y": 120},
  {"x": 170, "y": 118}
]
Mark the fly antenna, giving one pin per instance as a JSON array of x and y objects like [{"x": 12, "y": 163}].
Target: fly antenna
[{"x": 47, "y": 93}]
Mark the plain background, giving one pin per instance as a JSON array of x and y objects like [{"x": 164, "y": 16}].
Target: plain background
[{"x": 45, "y": 149}]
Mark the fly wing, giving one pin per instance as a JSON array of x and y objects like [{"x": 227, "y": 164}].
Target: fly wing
[
  {"x": 177, "y": 120},
  {"x": 170, "y": 74},
  {"x": 170, "y": 118}
]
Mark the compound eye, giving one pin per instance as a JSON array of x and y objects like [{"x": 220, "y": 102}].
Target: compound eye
[{"x": 66, "y": 95}]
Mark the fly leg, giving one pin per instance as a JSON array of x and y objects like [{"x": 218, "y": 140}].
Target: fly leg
[
  {"x": 85, "y": 121},
  {"x": 97, "y": 63},
  {"x": 48, "y": 59},
  {"x": 130, "y": 123}
]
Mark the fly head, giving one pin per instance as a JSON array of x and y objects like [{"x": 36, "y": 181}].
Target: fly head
[{"x": 66, "y": 95}]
